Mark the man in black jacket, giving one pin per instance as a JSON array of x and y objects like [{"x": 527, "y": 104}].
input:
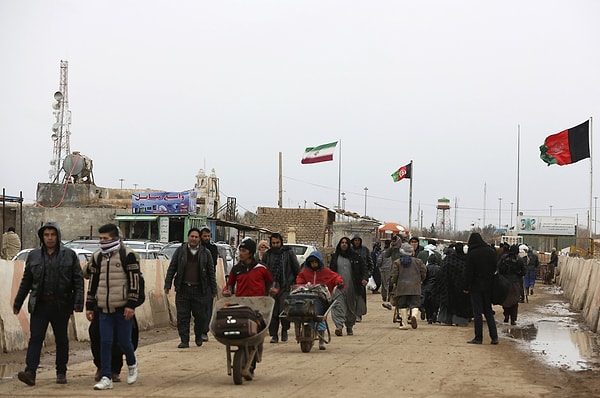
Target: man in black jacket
[
  {"x": 480, "y": 269},
  {"x": 283, "y": 265},
  {"x": 54, "y": 282},
  {"x": 194, "y": 273},
  {"x": 205, "y": 236}
]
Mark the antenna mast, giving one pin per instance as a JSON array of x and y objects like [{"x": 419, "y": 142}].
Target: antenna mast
[{"x": 61, "y": 129}]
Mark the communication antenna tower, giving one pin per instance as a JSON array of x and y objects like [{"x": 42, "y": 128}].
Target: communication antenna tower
[{"x": 61, "y": 129}]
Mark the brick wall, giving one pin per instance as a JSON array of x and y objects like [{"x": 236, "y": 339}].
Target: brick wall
[{"x": 310, "y": 225}]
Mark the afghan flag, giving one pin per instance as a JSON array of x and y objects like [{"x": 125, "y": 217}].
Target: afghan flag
[
  {"x": 317, "y": 154},
  {"x": 402, "y": 173},
  {"x": 568, "y": 146}
]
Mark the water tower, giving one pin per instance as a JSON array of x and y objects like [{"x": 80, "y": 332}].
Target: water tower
[{"x": 442, "y": 219}]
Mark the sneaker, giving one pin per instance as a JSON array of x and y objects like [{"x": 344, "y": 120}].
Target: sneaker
[
  {"x": 274, "y": 339},
  {"x": 284, "y": 335},
  {"x": 61, "y": 378},
  {"x": 387, "y": 306},
  {"x": 104, "y": 384},
  {"x": 359, "y": 318},
  {"x": 349, "y": 332},
  {"x": 338, "y": 332},
  {"x": 413, "y": 322},
  {"x": 183, "y": 345},
  {"x": 132, "y": 373},
  {"x": 27, "y": 377},
  {"x": 204, "y": 337}
]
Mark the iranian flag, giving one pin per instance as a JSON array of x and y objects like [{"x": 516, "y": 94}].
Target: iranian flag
[
  {"x": 402, "y": 173},
  {"x": 317, "y": 154},
  {"x": 568, "y": 146}
]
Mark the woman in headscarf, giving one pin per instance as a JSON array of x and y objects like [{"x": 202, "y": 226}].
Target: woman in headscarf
[
  {"x": 353, "y": 269},
  {"x": 455, "y": 304}
]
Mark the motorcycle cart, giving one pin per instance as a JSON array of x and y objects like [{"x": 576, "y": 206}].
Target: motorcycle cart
[{"x": 243, "y": 349}]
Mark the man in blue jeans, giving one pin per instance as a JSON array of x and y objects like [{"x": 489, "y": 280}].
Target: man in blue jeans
[
  {"x": 480, "y": 269},
  {"x": 114, "y": 291}
]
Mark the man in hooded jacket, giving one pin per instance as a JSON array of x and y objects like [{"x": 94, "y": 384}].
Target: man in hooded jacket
[
  {"x": 480, "y": 269},
  {"x": 54, "y": 282}
]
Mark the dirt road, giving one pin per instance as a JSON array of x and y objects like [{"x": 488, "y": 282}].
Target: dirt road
[{"x": 431, "y": 361}]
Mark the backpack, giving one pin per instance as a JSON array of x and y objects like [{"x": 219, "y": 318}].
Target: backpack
[{"x": 142, "y": 283}]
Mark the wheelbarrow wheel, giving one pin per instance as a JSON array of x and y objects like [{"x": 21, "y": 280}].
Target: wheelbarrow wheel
[
  {"x": 239, "y": 361},
  {"x": 307, "y": 342}
]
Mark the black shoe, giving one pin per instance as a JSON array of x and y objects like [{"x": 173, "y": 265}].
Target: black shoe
[
  {"x": 387, "y": 306},
  {"x": 494, "y": 341},
  {"x": 183, "y": 345},
  {"x": 199, "y": 343},
  {"x": 274, "y": 339},
  {"x": 204, "y": 337},
  {"x": 284, "y": 335},
  {"x": 61, "y": 378},
  {"x": 98, "y": 375},
  {"x": 505, "y": 319},
  {"x": 349, "y": 332},
  {"x": 422, "y": 315},
  {"x": 27, "y": 377},
  {"x": 474, "y": 341},
  {"x": 531, "y": 292}
]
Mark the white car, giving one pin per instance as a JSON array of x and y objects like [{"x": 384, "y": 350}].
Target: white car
[
  {"x": 301, "y": 251},
  {"x": 83, "y": 255}
]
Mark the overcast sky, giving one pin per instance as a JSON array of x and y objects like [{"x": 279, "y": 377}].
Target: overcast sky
[{"x": 161, "y": 89}]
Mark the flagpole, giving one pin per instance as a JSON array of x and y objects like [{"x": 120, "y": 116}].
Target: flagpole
[
  {"x": 412, "y": 176},
  {"x": 591, "y": 186},
  {"x": 518, "y": 171},
  {"x": 339, "y": 174}
]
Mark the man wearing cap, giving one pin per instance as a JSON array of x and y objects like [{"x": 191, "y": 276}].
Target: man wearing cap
[
  {"x": 54, "y": 282},
  {"x": 248, "y": 278},
  {"x": 194, "y": 273}
]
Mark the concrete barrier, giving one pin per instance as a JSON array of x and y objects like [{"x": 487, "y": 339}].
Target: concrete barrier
[
  {"x": 14, "y": 329},
  {"x": 580, "y": 281}
]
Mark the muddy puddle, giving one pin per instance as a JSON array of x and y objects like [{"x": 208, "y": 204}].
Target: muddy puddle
[{"x": 556, "y": 335}]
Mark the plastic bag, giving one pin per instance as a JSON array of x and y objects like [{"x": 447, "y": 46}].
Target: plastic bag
[{"x": 371, "y": 285}]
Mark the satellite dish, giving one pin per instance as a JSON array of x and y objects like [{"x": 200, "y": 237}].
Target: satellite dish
[
  {"x": 54, "y": 137},
  {"x": 58, "y": 96}
]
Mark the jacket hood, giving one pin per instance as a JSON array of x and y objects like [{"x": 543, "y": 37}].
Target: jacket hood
[
  {"x": 319, "y": 258},
  {"x": 50, "y": 224},
  {"x": 357, "y": 236},
  {"x": 475, "y": 240}
]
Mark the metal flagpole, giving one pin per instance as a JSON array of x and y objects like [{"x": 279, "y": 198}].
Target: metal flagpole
[
  {"x": 518, "y": 171},
  {"x": 591, "y": 187},
  {"x": 412, "y": 173},
  {"x": 339, "y": 175}
]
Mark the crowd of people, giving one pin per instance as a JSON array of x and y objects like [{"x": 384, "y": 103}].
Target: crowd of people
[{"x": 452, "y": 287}]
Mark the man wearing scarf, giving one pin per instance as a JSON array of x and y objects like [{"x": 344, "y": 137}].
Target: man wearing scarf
[
  {"x": 355, "y": 273},
  {"x": 113, "y": 291},
  {"x": 283, "y": 265}
]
